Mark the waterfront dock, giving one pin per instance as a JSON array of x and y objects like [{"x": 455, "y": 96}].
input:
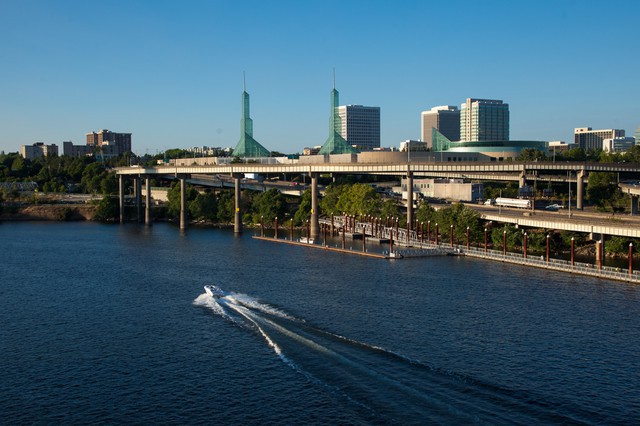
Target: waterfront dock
[
  {"x": 398, "y": 254},
  {"x": 414, "y": 245}
]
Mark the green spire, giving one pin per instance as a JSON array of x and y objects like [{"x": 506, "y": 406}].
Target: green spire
[
  {"x": 248, "y": 146},
  {"x": 335, "y": 143}
]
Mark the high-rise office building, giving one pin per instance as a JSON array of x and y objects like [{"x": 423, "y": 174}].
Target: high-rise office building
[
  {"x": 360, "y": 126},
  {"x": 618, "y": 144},
  {"x": 484, "y": 120},
  {"x": 121, "y": 141},
  {"x": 587, "y": 138},
  {"x": 445, "y": 119}
]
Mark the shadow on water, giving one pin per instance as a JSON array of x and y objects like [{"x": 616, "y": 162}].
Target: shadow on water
[{"x": 385, "y": 386}]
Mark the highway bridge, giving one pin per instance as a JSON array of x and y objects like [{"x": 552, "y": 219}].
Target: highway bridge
[
  {"x": 520, "y": 171},
  {"x": 633, "y": 190}
]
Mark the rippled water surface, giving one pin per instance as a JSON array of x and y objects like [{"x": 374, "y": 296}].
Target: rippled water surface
[{"x": 111, "y": 324}]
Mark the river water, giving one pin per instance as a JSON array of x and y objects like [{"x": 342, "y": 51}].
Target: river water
[{"x": 110, "y": 324}]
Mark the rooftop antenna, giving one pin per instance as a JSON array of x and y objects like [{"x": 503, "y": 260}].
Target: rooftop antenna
[
  {"x": 334, "y": 78},
  {"x": 244, "y": 82}
]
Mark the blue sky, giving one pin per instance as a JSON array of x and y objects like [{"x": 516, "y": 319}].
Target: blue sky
[{"x": 170, "y": 72}]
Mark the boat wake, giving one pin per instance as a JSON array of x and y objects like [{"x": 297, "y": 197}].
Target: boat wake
[{"x": 388, "y": 386}]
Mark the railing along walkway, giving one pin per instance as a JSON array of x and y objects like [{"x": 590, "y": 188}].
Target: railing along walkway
[{"x": 415, "y": 240}]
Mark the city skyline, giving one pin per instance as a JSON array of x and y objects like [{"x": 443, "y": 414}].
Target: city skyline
[{"x": 172, "y": 75}]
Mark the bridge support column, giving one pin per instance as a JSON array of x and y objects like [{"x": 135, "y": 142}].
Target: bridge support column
[
  {"x": 409, "y": 200},
  {"x": 314, "y": 206},
  {"x": 183, "y": 203},
  {"x": 147, "y": 202},
  {"x": 579, "y": 190},
  {"x": 121, "y": 197},
  {"x": 237, "y": 222},
  {"x": 634, "y": 204},
  {"x": 138, "y": 188},
  {"x": 522, "y": 180}
]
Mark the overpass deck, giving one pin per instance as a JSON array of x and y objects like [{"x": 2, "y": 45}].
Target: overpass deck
[
  {"x": 591, "y": 223},
  {"x": 419, "y": 169}
]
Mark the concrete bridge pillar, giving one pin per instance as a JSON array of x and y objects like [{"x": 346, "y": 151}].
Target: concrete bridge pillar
[
  {"x": 138, "y": 189},
  {"x": 147, "y": 202},
  {"x": 634, "y": 204},
  {"x": 121, "y": 197},
  {"x": 579, "y": 190},
  {"x": 183, "y": 203},
  {"x": 522, "y": 180},
  {"x": 409, "y": 200},
  {"x": 315, "y": 228},
  {"x": 237, "y": 222}
]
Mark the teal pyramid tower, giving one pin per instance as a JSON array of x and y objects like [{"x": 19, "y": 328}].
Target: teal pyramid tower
[
  {"x": 248, "y": 146},
  {"x": 335, "y": 143}
]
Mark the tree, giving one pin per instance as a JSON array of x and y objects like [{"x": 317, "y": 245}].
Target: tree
[
  {"x": 461, "y": 217},
  {"x": 359, "y": 199},
  {"x": 633, "y": 155},
  {"x": 389, "y": 208},
  {"x": 92, "y": 177},
  {"x": 426, "y": 213},
  {"x": 304, "y": 209},
  {"x": 204, "y": 206},
  {"x": 531, "y": 154},
  {"x": 329, "y": 202},
  {"x": 602, "y": 189},
  {"x": 109, "y": 184},
  {"x": 226, "y": 207},
  {"x": 575, "y": 154},
  {"x": 173, "y": 195},
  {"x": 108, "y": 209},
  {"x": 269, "y": 205}
]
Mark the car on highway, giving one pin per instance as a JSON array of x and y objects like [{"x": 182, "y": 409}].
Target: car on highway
[{"x": 553, "y": 207}]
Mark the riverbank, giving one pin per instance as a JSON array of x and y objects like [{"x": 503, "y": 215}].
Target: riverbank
[{"x": 51, "y": 212}]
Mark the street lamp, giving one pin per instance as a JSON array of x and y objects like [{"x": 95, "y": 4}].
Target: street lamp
[
  {"x": 504, "y": 243},
  {"x": 548, "y": 248},
  {"x": 485, "y": 240},
  {"x": 467, "y": 238}
]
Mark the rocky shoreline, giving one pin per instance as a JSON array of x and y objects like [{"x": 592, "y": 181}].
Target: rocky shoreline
[{"x": 51, "y": 212}]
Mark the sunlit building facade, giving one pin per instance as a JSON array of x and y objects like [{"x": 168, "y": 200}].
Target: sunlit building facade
[
  {"x": 445, "y": 119},
  {"x": 484, "y": 120},
  {"x": 587, "y": 138},
  {"x": 360, "y": 126}
]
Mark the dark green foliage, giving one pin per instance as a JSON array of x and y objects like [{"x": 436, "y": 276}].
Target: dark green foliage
[
  {"x": 500, "y": 189},
  {"x": 226, "y": 207},
  {"x": 108, "y": 209},
  {"x": 268, "y": 205},
  {"x": 304, "y": 210},
  {"x": 458, "y": 215},
  {"x": 602, "y": 190},
  {"x": 204, "y": 206},
  {"x": 174, "y": 199},
  {"x": 531, "y": 154},
  {"x": 357, "y": 199},
  {"x": 620, "y": 245},
  {"x": 389, "y": 208}
]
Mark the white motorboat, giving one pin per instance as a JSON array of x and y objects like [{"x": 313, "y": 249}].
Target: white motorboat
[{"x": 214, "y": 291}]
